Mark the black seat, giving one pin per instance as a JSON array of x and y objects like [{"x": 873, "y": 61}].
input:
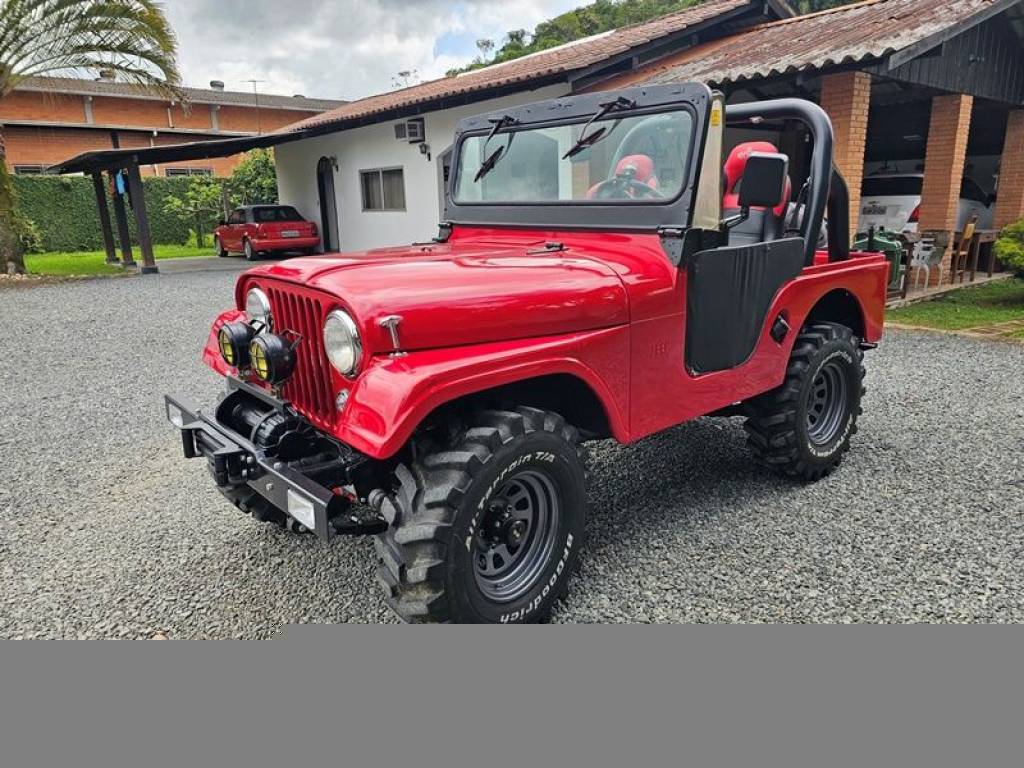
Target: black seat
[{"x": 763, "y": 224}]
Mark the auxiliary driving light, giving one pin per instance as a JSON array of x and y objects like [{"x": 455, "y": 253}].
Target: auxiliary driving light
[
  {"x": 272, "y": 358},
  {"x": 234, "y": 340}
]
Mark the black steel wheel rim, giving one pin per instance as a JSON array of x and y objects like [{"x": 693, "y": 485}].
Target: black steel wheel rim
[
  {"x": 516, "y": 536},
  {"x": 827, "y": 404}
]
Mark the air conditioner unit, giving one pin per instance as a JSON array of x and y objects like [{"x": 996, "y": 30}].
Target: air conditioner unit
[{"x": 412, "y": 131}]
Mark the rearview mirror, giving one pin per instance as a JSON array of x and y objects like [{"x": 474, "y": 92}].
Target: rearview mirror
[{"x": 764, "y": 181}]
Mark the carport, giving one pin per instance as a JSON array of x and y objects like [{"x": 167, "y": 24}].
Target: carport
[
  {"x": 919, "y": 85},
  {"x": 122, "y": 170}
]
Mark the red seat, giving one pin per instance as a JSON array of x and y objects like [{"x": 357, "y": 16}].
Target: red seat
[{"x": 763, "y": 224}]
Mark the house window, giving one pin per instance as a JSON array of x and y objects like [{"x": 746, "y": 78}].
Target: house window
[
  {"x": 383, "y": 189},
  {"x": 178, "y": 172},
  {"x": 29, "y": 170}
]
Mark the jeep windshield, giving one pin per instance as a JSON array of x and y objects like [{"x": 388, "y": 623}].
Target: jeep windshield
[{"x": 620, "y": 158}]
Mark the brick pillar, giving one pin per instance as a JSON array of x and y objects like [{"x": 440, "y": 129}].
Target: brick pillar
[
  {"x": 846, "y": 98},
  {"x": 1010, "y": 206},
  {"x": 944, "y": 168}
]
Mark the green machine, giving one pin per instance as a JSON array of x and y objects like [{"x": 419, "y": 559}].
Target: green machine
[{"x": 892, "y": 246}]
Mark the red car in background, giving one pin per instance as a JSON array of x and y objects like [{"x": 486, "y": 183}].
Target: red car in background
[{"x": 256, "y": 229}]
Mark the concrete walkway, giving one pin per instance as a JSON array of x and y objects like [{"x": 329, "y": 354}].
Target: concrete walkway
[
  {"x": 915, "y": 297},
  {"x": 207, "y": 264}
]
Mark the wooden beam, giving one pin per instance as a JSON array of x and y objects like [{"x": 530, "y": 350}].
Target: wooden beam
[
  {"x": 121, "y": 215},
  {"x": 105, "y": 227},
  {"x": 138, "y": 194}
]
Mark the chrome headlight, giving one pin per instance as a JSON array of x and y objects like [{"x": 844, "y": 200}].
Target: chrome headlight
[
  {"x": 257, "y": 307},
  {"x": 342, "y": 343}
]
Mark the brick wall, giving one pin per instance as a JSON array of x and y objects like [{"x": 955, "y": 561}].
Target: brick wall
[
  {"x": 846, "y": 98},
  {"x": 946, "y": 156},
  {"x": 1010, "y": 206},
  {"x": 46, "y": 146}
]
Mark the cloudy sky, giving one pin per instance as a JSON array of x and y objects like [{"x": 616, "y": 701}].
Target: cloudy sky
[{"x": 339, "y": 48}]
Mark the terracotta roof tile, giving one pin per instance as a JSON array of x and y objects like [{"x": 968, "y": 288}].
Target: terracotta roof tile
[{"x": 556, "y": 61}]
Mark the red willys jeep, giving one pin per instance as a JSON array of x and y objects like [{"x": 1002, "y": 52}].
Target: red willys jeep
[{"x": 597, "y": 275}]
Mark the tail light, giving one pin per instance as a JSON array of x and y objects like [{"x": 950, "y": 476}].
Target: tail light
[
  {"x": 915, "y": 216},
  {"x": 316, "y": 232}
]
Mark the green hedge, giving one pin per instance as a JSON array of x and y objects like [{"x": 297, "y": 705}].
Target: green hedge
[{"x": 64, "y": 210}]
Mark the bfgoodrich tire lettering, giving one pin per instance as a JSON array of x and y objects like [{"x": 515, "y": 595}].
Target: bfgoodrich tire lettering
[
  {"x": 803, "y": 428},
  {"x": 443, "y": 504}
]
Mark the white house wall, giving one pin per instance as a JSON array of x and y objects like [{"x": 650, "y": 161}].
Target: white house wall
[{"x": 375, "y": 146}]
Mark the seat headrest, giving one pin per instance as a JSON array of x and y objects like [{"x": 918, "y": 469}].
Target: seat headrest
[{"x": 735, "y": 167}]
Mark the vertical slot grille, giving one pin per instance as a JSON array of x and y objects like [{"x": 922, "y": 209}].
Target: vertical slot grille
[{"x": 309, "y": 389}]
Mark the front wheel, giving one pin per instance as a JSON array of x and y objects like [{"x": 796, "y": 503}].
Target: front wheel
[
  {"x": 803, "y": 428},
  {"x": 489, "y": 528},
  {"x": 222, "y": 252}
]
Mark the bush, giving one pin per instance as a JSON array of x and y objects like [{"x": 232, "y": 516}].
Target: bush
[
  {"x": 28, "y": 234},
  {"x": 63, "y": 209},
  {"x": 1010, "y": 246}
]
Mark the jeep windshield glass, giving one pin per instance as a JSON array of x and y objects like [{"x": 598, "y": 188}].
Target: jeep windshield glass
[{"x": 639, "y": 159}]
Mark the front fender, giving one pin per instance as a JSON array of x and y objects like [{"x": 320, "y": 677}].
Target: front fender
[
  {"x": 211, "y": 352},
  {"x": 395, "y": 393}
]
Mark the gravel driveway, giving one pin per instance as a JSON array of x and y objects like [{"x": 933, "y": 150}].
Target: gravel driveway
[{"x": 106, "y": 532}]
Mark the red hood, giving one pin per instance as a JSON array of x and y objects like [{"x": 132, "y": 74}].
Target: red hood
[{"x": 463, "y": 293}]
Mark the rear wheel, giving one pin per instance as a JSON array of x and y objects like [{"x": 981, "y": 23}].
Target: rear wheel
[
  {"x": 487, "y": 529},
  {"x": 803, "y": 428},
  {"x": 250, "y": 252}
]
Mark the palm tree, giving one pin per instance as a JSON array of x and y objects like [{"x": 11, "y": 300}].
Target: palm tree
[{"x": 130, "y": 39}]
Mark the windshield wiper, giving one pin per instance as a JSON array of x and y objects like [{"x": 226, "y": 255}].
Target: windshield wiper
[
  {"x": 492, "y": 160},
  {"x": 586, "y": 141}
]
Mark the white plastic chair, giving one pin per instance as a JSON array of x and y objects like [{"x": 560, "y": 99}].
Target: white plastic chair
[{"x": 926, "y": 255}]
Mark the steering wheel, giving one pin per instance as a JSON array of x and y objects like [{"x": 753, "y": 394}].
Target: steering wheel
[{"x": 625, "y": 187}]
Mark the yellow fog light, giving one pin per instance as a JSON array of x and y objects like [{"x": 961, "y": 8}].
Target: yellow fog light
[
  {"x": 272, "y": 358},
  {"x": 233, "y": 340}
]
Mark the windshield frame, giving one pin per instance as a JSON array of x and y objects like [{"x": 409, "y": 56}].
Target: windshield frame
[{"x": 587, "y": 214}]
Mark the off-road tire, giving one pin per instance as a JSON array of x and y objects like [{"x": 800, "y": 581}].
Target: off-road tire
[
  {"x": 778, "y": 428},
  {"x": 250, "y": 253},
  {"x": 439, "y": 507},
  {"x": 222, "y": 252}
]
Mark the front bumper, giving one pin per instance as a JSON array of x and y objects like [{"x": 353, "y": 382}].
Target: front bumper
[{"x": 235, "y": 461}]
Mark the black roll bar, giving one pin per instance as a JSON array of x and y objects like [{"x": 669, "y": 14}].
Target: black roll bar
[{"x": 827, "y": 187}]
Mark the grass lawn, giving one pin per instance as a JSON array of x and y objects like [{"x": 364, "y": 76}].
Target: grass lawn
[
  {"x": 998, "y": 302},
  {"x": 94, "y": 262}
]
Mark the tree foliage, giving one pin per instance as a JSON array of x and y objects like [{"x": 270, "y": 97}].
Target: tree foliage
[
  {"x": 254, "y": 181},
  {"x": 812, "y": 6},
  {"x": 601, "y": 16},
  {"x": 200, "y": 204},
  {"x": 130, "y": 39}
]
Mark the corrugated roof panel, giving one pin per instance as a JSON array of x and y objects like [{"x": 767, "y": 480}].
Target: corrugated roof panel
[{"x": 851, "y": 33}]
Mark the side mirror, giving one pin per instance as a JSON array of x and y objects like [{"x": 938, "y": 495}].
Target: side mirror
[
  {"x": 764, "y": 181},
  {"x": 221, "y": 222}
]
